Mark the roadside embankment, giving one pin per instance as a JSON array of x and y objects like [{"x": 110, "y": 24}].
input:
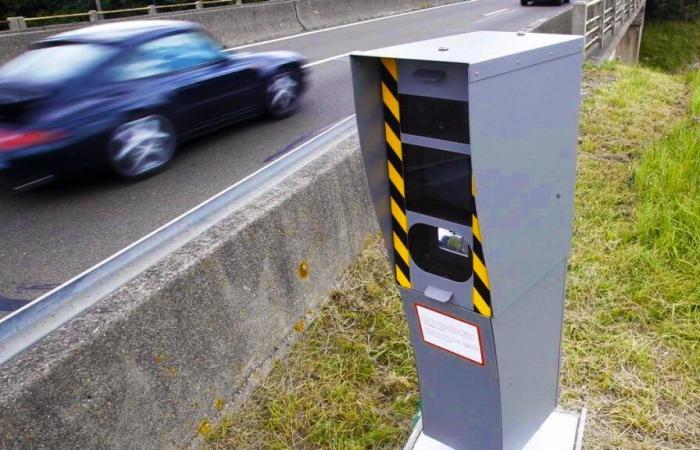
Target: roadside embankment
[{"x": 630, "y": 339}]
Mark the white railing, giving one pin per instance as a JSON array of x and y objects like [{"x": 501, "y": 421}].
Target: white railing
[{"x": 600, "y": 20}]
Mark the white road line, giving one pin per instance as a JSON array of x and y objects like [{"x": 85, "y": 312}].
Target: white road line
[
  {"x": 321, "y": 61},
  {"x": 314, "y": 63},
  {"x": 496, "y": 12},
  {"x": 209, "y": 200},
  {"x": 323, "y": 30}
]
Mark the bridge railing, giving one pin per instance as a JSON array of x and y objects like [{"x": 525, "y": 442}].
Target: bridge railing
[
  {"x": 601, "y": 20},
  {"x": 21, "y": 23}
]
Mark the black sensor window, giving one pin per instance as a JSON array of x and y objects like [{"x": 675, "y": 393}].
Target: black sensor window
[
  {"x": 438, "y": 183},
  {"x": 435, "y": 117}
]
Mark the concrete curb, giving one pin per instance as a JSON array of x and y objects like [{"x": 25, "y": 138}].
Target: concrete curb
[{"x": 149, "y": 364}]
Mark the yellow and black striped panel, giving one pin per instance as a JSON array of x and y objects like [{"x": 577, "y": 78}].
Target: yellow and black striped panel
[
  {"x": 481, "y": 293},
  {"x": 394, "y": 157}
]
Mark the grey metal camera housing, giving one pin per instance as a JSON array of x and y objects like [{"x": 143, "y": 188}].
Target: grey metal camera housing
[{"x": 469, "y": 143}]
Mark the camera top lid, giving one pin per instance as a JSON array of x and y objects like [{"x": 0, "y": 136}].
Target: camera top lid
[{"x": 488, "y": 53}]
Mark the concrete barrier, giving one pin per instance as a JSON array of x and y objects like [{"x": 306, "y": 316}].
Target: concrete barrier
[
  {"x": 233, "y": 25},
  {"x": 147, "y": 365},
  {"x": 559, "y": 23},
  {"x": 248, "y": 23},
  {"x": 12, "y": 44},
  {"x": 315, "y": 14}
]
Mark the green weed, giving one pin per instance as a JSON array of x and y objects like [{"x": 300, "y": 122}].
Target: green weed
[{"x": 670, "y": 46}]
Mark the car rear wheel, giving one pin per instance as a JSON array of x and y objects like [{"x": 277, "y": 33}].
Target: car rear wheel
[
  {"x": 141, "y": 147},
  {"x": 524, "y": 2},
  {"x": 282, "y": 93}
]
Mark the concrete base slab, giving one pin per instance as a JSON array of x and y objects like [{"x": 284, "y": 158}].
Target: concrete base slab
[{"x": 563, "y": 430}]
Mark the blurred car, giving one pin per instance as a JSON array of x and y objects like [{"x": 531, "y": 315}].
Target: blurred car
[{"x": 124, "y": 95}]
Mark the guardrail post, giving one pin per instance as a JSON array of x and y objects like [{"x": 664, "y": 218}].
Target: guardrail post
[
  {"x": 152, "y": 9},
  {"x": 578, "y": 24},
  {"x": 198, "y": 4},
  {"x": 16, "y": 23},
  {"x": 601, "y": 31},
  {"x": 614, "y": 17},
  {"x": 93, "y": 15}
]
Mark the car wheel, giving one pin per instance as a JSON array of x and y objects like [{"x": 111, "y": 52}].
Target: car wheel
[
  {"x": 524, "y": 2},
  {"x": 141, "y": 147},
  {"x": 282, "y": 94},
  {"x": 556, "y": 2}
]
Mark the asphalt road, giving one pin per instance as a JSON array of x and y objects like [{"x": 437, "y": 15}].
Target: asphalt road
[{"x": 52, "y": 233}]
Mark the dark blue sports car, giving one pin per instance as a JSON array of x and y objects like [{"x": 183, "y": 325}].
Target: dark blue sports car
[{"x": 124, "y": 95}]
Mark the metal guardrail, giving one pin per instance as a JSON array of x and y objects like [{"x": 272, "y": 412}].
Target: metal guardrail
[
  {"x": 600, "y": 20},
  {"x": 35, "y": 320},
  {"x": 21, "y": 23}
]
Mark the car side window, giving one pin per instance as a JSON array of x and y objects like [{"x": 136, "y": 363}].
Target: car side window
[{"x": 168, "y": 54}]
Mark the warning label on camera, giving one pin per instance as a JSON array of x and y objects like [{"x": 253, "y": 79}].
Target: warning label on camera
[{"x": 450, "y": 334}]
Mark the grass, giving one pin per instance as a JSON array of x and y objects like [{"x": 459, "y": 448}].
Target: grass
[
  {"x": 350, "y": 381},
  {"x": 670, "y": 46},
  {"x": 632, "y": 326}
]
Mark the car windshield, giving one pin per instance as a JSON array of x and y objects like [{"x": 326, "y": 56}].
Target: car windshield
[{"x": 55, "y": 64}]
